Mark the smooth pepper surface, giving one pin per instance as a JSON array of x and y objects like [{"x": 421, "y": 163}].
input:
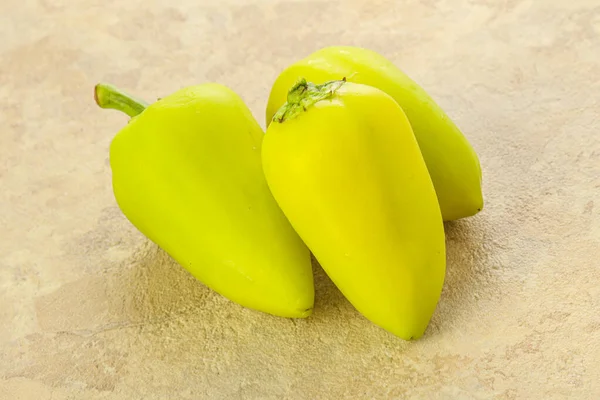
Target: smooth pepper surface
[
  {"x": 187, "y": 173},
  {"x": 343, "y": 163},
  {"x": 452, "y": 163}
]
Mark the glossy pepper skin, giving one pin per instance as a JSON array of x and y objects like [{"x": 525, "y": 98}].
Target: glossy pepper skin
[
  {"x": 343, "y": 164},
  {"x": 451, "y": 161},
  {"x": 187, "y": 173}
]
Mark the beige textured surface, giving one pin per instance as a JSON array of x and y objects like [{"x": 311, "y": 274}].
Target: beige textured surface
[{"x": 91, "y": 310}]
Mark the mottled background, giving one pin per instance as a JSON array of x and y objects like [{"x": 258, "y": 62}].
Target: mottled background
[{"x": 90, "y": 310}]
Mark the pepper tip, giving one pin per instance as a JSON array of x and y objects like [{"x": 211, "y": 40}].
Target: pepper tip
[{"x": 96, "y": 99}]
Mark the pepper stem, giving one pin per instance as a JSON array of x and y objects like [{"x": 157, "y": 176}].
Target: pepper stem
[
  {"x": 108, "y": 96},
  {"x": 303, "y": 95}
]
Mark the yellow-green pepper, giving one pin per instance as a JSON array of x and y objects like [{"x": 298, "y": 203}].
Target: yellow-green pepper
[
  {"x": 344, "y": 166},
  {"x": 451, "y": 161},
  {"x": 187, "y": 173}
]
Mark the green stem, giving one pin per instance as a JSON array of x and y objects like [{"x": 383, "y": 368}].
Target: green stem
[
  {"x": 303, "y": 95},
  {"x": 108, "y": 96}
]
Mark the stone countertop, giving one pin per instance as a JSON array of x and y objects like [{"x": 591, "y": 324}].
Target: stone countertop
[{"x": 91, "y": 310}]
